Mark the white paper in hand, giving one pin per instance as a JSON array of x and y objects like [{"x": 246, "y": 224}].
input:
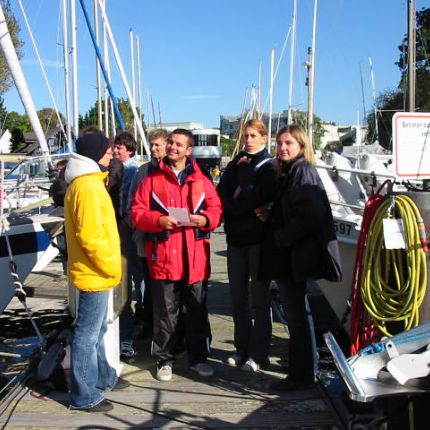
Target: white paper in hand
[{"x": 181, "y": 215}]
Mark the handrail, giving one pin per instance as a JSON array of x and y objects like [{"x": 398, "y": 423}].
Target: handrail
[{"x": 356, "y": 171}]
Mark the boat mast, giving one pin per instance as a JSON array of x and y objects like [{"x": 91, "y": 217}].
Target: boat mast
[
  {"x": 133, "y": 78},
  {"x": 292, "y": 57},
  {"x": 74, "y": 68},
  {"x": 139, "y": 88},
  {"x": 411, "y": 55},
  {"x": 103, "y": 68},
  {"x": 20, "y": 83},
  {"x": 375, "y": 112},
  {"x": 99, "y": 91},
  {"x": 124, "y": 79},
  {"x": 272, "y": 78},
  {"x": 66, "y": 71},
  {"x": 36, "y": 50},
  {"x": 311, "y": 76}
]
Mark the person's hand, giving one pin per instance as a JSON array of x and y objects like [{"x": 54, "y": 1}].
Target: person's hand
[
  {"x": 245, "y": 172},
  {"x": 244, "y": 159},
  {"x": 199, "y": 220},
  {"x": 261, "y": 214},
  {"x": 167, "y": 222}
]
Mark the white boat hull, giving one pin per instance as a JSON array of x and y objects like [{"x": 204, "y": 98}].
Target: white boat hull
[{"x": 31, "y": 248}]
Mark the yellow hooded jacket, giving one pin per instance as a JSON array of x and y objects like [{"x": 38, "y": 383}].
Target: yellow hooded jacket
[{"x": 93, "y": 244}]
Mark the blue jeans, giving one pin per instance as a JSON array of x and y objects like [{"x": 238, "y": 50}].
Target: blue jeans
[{"x": 90, "y": 371}]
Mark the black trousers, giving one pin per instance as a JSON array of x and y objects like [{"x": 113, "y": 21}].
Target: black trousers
[
  {"x": 169, "y": 298},
  {"x": 300, "y": 353},
  {"x": 250, "y": 299}
]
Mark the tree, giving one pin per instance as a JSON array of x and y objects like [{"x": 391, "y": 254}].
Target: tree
[
  {"x": 395, "y": 100},
  {"x": 48, "y": 118},
  {"x": 17, "y": 140},
  {"x": 90, "y": 117},
  {"x": 300, "y": 118},
  {"x": 227, "y": 146},
  {"x": 15, "y": 120},
  {"x": 14, "y": 29},
  {"x": 3, "y": 113}
]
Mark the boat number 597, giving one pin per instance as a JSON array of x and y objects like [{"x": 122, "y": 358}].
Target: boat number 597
[{"x": 342, "y": 228}]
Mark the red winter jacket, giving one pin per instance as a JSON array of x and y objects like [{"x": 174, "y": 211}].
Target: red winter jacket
[{"x": 184, "y": 251}]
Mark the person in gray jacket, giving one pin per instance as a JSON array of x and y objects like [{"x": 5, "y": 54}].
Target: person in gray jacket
[{"x": 143, "y": 311}]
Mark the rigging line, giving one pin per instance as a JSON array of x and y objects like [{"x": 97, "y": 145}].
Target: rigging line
[{"x": 284, "y": 46}]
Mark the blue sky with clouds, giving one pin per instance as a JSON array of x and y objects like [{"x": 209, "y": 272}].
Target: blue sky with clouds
[{"x": 199, "y": 57}]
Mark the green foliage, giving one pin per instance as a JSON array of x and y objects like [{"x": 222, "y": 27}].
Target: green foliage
[
  {"x": 300, "y": 118},
  {"x": 3, "y": 112},
  {"x": 17, "y": 140},
  {"x": 91, "y": 117},
  {"x": 15, "y": 120},
  {"x": 391, "y": 101},
  {"x": 14, "y": 29},
  {"x": 227, "y": 146},
  {"x": 48, "y": 118}
]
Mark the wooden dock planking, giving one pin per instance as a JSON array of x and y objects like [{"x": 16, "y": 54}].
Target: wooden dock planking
[{"x": 229, "y": 399}]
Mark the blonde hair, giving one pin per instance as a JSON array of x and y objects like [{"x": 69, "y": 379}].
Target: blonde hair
[
  {"x": 300, "y": 135},
  {"x": 257, "y": 125}
]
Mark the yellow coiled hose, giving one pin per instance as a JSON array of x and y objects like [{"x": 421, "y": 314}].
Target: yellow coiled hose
[{"x": 394, "y": 281}]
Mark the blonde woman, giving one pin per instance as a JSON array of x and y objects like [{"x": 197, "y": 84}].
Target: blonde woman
[
  {"x": 246, "y": 188},
  {"x": 299, "y": 229}
]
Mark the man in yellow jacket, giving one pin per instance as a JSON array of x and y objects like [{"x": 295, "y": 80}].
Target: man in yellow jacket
[{"x": 94, "y": 268}]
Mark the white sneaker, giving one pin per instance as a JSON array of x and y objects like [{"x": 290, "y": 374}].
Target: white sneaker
[
  {"x": 235, "y": 360},
  {"x": 164, "y": 373},
  {"x": 250, "y": 366},
  {"x": 203, "y": 369}
]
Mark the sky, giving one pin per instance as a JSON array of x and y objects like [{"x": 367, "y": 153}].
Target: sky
[{"x": 200, "y": 58}]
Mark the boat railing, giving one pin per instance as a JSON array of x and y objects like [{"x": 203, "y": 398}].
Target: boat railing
[
  {"x": 346, "y": 205},
  {"x": 360, "y": 172}
]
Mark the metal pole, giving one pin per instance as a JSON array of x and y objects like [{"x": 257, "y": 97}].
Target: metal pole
[
  {"x": 74, "y": 68},
  {"x": 54, "y": 103},
  {"x": 375, "y": 112},
  {"x": 411, "y": 55},
  {"x": 292, "y": 57},
  {"x": 311, "y": 78},
  {"x": 117, "y": 112},
  {"x": 133, "y": 80},
  {"x": 124, "y": 80},
  {"x": 99, "y": 88},
  {"x": 106, "y": 92},
  {"x": 272, "y": 67},
  {"x": 20, "y": 82},
  {"x": 139, "y": 86},
  {"x": 66, "y": 71}
]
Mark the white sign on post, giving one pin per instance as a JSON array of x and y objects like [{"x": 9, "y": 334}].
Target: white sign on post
[{"x": 411, "y": 145}]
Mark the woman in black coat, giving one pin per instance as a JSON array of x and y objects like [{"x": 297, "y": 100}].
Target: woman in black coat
[{"x": 300, "y": 232}]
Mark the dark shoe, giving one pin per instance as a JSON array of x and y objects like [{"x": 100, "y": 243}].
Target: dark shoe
[
  {"x": 145, "y": 332},
  {"x": 103, "y": 406},
  {"x": 179, "y": 348},
  {"x": 291, "y": 385},
  {"x": 120, "y": 384},
  {"x": 139, "y": 316}
]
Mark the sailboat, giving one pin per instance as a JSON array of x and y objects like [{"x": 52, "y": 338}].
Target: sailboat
[
  {"x": 347, "y": 185},
  {"x": 26, "y": 240}
]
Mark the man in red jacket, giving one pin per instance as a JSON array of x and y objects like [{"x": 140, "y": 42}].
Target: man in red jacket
[{"x": 178, "y": 206}]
